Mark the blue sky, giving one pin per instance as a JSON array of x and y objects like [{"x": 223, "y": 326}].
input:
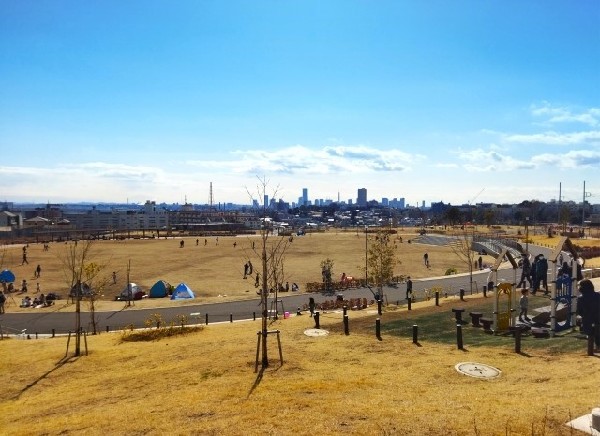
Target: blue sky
[{"x": 430, "y": 101}]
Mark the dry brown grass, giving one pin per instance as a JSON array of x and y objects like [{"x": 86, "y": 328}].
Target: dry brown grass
[
  {"x": 215, "y": 272},
  {"x": 204, "y": 384}
]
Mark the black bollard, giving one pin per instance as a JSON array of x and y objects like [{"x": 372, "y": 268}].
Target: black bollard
[
  {"x": 346, "y": 326},
  {"x": 206, "y": 318},
  {"x": 409, "y": 304},
  {"x": 485, "y": 291},
  {"x": 36, "y": 335},
  {"x": 253, "y": 316},
  {"x": 437, "y": 298},
  {"x": 462, "y": 294},
  {"x": 518, "y": 339},
  {"x": 415, "y": 334},
  {"x": 53, "y": 333},
  {"x": 107, "y": 329},
  {"x": 231, "y": 317},
  {"x": 379, "y": 307},
  {"x": 459, "y": 337},
  {"x": 378, "y": 328},
  {"x": 317, "y": 324}
]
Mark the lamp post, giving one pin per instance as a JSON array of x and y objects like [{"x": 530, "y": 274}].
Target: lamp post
[{"x": 527, "y": 235}]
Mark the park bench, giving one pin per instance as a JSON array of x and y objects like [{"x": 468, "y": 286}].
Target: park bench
[
  {"x": 487, "y": 324},
  {"x": 475, "y": 317}
]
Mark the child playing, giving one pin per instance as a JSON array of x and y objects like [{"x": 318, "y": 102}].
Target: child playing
[{"x": 523, "y": 303}]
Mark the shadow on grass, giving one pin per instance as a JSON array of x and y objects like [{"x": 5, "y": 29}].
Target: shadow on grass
[
  {"x": 257, "y": 381},
  {"x": 58, "y": 365}
]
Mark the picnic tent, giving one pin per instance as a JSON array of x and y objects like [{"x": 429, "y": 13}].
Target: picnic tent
[
  {"x": 136, "y": 292},
  {"x": 181, "y": 292},
  {"x": 160, "y": 289}
]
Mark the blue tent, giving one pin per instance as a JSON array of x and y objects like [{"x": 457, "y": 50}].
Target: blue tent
[
  {"x": 7, "y": 276},
  {"x": 159, "y": 289},
  {"x": 181, "y": 292}
]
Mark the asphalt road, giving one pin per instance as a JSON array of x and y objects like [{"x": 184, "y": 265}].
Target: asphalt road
[{"x": 44, "y": 322}]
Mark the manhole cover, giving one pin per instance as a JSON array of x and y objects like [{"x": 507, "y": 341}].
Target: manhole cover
[
  {"x": 316, "y": 332},
  {"x": 477, "y": 370}
]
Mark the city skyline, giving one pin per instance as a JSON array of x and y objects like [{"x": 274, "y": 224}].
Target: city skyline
[{"x": 434, "y": 101}]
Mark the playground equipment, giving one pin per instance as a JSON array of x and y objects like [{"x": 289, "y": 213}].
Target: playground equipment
[
  {"x": 505, "y": 296},
  {"x": 563, "y": 309},
  {"x": 504, "y": 304}
]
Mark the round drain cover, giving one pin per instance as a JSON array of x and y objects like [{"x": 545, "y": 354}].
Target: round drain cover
[
  {"x": 316, "y": 332},
  {"x": 477, "y": 370}
]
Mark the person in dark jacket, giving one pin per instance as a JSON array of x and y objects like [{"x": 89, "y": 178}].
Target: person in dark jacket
[
  {"x": 526, "y": 272},
  {"x": 541, "y": 272},
  {"x": 588, "y": 307}
]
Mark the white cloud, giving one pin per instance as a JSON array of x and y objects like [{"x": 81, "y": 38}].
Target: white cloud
[
  {"x": 299, "y": 159},
  {"x": 571, "y": 159},
  {"x": 554, "y": 115},
  {"x": 591, "y": 137}
]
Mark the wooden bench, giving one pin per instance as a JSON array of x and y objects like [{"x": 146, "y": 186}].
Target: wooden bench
[{"x": 487, "y": 324}]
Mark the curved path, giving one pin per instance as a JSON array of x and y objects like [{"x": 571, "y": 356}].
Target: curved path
[{"x": 62, "y": 322}]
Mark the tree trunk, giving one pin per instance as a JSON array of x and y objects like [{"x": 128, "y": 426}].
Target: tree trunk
[{"x": 265, "y": 296}]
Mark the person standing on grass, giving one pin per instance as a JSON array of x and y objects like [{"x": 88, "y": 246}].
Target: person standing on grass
[
  {"x": 588, "y": 307},
  {"x": 2, "y": 301},
  {"x": 426, "y": 260},
  {"x": 38, "y": 271},
  {"x": 311, "y": 306},
  {"x": 409, "y": 288},
  {"x": 523, "y": 305}
]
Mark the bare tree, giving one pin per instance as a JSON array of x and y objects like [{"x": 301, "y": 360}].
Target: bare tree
[
  {"x": 461, "y": 246},
  {"x": 272, "y": 254},
  {"x": 74, "y": 259}
]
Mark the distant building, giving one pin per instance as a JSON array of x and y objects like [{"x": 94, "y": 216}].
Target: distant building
[
  {"x": 361, "y": 199},
  {"x": 305, "y": 196}
]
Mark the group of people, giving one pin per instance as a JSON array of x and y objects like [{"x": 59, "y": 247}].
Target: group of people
[
  {"x": 536, "y": 273},
  {"x": 38, "y": 301}
]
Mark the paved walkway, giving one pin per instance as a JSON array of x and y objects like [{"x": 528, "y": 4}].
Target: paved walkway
[{"x": 61, "y": 322}]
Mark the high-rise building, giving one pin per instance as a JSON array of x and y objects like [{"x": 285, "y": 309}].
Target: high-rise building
[
  {"x": 305, "y": 196},
  {"x": 361, "y": 199}
]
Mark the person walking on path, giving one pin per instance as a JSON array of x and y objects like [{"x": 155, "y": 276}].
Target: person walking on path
[
  {"x": 24, "y": 261},
  {"x": 114, "y": 276},
  {"x": 525, "y": 272},
  {"x": 541, "y": 273},
  {"x": 588, "y": 307},
  {"x": 523, "y": 305},
  {"x": 426, "y": 260},
  {"x": 409, "y": 288}
]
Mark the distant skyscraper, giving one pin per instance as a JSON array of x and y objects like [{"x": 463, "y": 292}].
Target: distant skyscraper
[
  {"x": 402, "y": 200},
  {"x": 361, "y": 200},
  {"x": 305, "y": 196}
]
